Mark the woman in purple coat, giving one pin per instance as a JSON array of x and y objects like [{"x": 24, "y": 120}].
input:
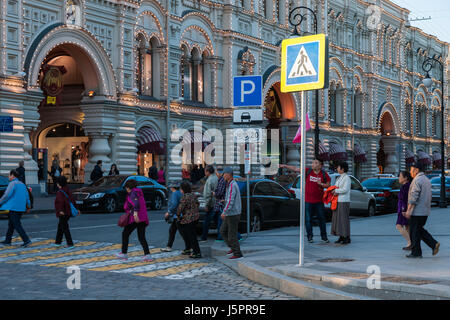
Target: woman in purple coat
[
  {"x": 402, "y": 223},
  {"x": 136, "y": 209}
]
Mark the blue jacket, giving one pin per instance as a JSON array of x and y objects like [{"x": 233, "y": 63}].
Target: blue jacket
[
  {"x": 174, "y": 201},
  {"x": 16, "y": 197}
]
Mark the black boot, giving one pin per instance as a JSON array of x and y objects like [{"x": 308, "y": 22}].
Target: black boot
[
  {"x": 346, "y": 240},
  {"x": 340, "y": 240}
]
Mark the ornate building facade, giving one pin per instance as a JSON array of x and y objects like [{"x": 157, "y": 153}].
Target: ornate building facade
[{"x": 131, "y": 72}]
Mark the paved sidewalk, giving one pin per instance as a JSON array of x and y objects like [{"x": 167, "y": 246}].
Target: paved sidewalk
[
  {"x": 271, "y": 258},
  {"x": 45, "y": 204}
]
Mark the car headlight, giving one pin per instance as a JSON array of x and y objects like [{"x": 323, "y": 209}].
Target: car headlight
[{"x": 97, "y": 195}]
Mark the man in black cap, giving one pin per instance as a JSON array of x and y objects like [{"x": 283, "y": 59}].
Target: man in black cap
[{"x": 419, "y": 208}]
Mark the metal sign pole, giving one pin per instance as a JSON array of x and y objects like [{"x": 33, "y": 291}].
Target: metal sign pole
[
  {"x": 302, "y": 177},
  {"x": 247, "y": 173}
]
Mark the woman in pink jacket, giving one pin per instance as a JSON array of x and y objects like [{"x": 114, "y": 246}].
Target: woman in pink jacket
[{"x": 137, "y": 218}]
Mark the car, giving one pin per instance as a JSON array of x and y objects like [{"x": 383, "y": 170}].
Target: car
[
  {"x": 4, "y": 181},
  {"x": 385, "y": 191},
  {"x": 362, "y": 202},
  {"x": 245, "y": 117},
  {"x": 271, "y": 206},
  {"x": 436, "y": 189},
  {"x": 109, "y": 194}
]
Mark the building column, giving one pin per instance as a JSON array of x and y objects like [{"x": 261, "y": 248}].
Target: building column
[{"x": 31, "y": 168}]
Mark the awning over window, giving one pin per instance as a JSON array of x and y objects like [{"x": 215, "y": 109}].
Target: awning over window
[
  {"x": 360, "y": 154},
  {"x": 423, "y": 158},
  {"x": 437, "y": 159},
  {"x": 323, "y": 152},
  {"x": 337, "y": 152},
  {"x": 149, "y": 140},
  {"x": 409, "y": 157}
]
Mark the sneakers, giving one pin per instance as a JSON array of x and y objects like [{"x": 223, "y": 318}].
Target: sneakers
[
  {"x": 230, "y": 252},
  {"x": 325, "y": 241},
  {"x": 69, "y": 247},
  {"x": 57, "y": 245},
  {"x": 436, "y": 249},
  {"x": 26, "y": 244},
  {"x": 186, "y": 252},
  {"x": 147, "y": 258},
  {"x": 203, "y": 241},
  {"x": 121, "y": 255},
  {"x": 166, "y": 249},
  {"x": 195, "y": 256},
  {"x": 310, "y": 240},
  {"x": 235, "y": 257},
  {"x": 4, "y": 243}
]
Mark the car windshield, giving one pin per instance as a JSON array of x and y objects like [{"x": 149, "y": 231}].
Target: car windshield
[
  {"x": 4, "y": 181},
  {"x": 437, "y": 180},
  {"x": 109, "y": 181},
  {"x": 376, "y": 183}
]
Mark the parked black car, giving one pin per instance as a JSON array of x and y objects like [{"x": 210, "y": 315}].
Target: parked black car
[
  {"x": 4, "y": 184},
  {"x": 385, "y": 191},
  {"x": 109, "y": 194},
  {"x": 271, "y": 206}
]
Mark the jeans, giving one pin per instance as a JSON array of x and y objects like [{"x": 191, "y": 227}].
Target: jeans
[
  {"x": 219, "y": 225},
  {"x": 141, "y": 236},
  {"x": 229, "y": 231},
  {"x": 209, "y": 216},
  {"x": 418, "y": 233},
  {"x": 318, "y": 209},
  {"x": 15, "y": 224},
  {"x": 190, "y": 236},
  {"x": 63, "y": 229}
]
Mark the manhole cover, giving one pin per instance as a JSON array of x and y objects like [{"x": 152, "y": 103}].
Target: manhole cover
[{"x": 336, "y": 260}]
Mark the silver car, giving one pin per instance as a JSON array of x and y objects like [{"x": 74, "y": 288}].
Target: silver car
[{"x": 362, "y": 202}]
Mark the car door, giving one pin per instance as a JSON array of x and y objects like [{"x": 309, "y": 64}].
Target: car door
[
  {"x": 357, "y": 197},
  {"x": 287, "y": 208},
  {"x": 262, "y": 202}
]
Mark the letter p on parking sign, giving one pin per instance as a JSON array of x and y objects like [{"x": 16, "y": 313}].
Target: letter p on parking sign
[{"x": 247, "y": 91}]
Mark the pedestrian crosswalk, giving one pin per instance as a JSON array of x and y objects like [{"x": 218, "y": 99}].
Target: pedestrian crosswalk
[{"x": 100, "y": 257}]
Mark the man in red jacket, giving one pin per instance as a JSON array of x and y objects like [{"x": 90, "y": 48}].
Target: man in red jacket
[
  {"x": 63, "y": 212},
  {"x": 315, "y": 182}
]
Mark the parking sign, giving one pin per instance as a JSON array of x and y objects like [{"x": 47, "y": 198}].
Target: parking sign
[
  {"x": 247, "y": 91},
  {"x": 304, "y": 63}
]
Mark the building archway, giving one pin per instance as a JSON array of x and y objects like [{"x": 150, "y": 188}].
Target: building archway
[{"x": 387, "y": 156}]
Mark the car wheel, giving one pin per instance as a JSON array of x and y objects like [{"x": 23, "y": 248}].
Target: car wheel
[
  {"x": 256, "y": 224},
  {"x": 371, "y": 210},
  {"x": 110, "y": 205},
  {"x": 157, "y": 205}
]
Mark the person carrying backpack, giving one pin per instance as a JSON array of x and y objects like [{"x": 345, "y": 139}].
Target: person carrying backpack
[
  {"x": 63, "y": 212},
  {"x": 315, "y": 182}
]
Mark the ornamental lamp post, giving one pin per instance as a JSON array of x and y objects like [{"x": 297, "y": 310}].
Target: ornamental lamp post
[
  {"x": 296, "y": 17},
  {"x": 427, "y": 65}
]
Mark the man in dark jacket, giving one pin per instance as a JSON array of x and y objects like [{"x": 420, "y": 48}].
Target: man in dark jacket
[
  {"x": 153, "y": 173},
  {"x": 21, "y": 171},
  {"x": 97, "y": 173}
]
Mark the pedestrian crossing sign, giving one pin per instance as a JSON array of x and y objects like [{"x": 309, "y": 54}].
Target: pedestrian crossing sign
[{"x": 304, "y": 63}]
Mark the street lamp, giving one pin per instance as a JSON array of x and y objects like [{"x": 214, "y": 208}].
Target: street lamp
[
  {"x": 296, "y": 17},
  {"x": 427, "y": 65}
]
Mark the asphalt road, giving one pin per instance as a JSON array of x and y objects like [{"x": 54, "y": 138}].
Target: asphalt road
[{"x": 41, "y": 270}]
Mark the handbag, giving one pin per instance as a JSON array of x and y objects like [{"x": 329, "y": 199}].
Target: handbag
[
  {"x": 123, "y": 220},
  {"x": 73, "y": 209}
]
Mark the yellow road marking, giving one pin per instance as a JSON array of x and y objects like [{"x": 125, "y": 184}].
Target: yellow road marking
[
  {"x": 80, "y": 244},
  {"x": 136, "y": 264},
  {"x": 33, "y": 244},
  {"x": 170, "y": 271},
  {"x": 95, "y": 259},
  {"x": 68, "y": 253}
]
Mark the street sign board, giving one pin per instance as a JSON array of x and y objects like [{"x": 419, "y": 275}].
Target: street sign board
[
  {"x": 6, "y": 124},
  {"x": 247, "y": 91},
  {"x": 247, "y": 115},
  {"x": 304, "y": 63}
]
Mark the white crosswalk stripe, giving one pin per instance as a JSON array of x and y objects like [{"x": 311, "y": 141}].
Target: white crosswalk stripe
[
  {"x": 129, "y": 260},
  {"x": 191, "y": 273},
  {"x": 156, "y": 266}
]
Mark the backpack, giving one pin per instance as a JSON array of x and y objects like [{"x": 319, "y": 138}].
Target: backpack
[
  {"x": 323, "y": 174},
  {"x": 74, "y": 211}
]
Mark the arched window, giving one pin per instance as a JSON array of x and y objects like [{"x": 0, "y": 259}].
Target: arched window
[
  {"x": 197, "y": 68},
  {"x": 357, "y": 111},
  {"x": 185, "y": 75},
  {"x": 422, "y": 122},
  {"x": 145, "y": 66},
  {"x": 192, "y": 75},
  {"x": 408, "y": 110},
  {"x": 332, "y": 105}
]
